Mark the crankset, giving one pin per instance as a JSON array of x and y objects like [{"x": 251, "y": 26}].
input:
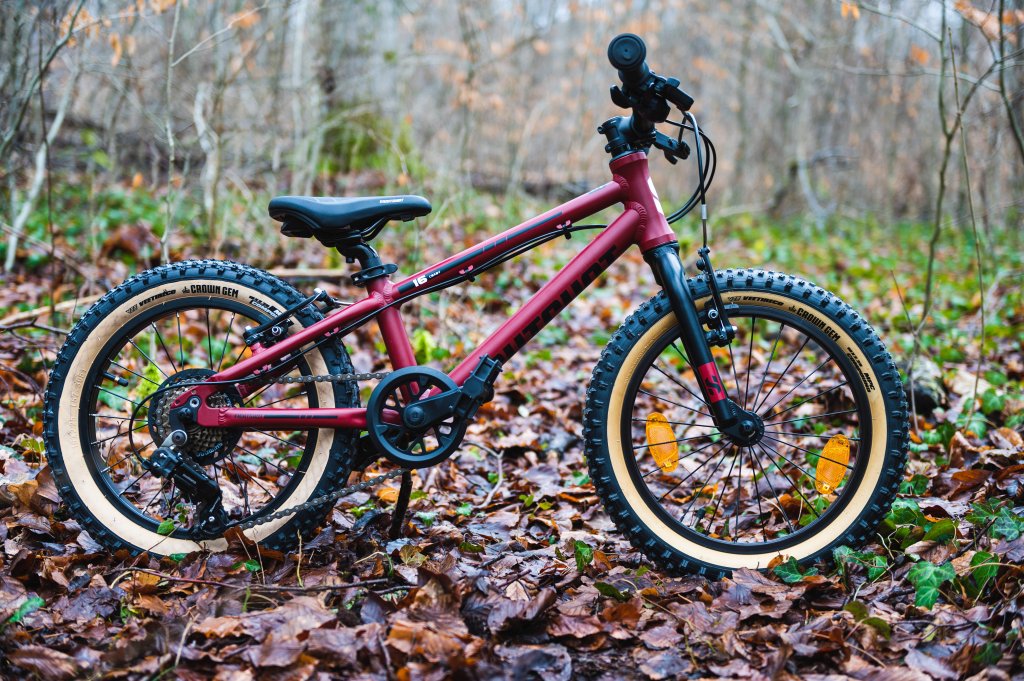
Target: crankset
[{"x": 417, "y": 416}]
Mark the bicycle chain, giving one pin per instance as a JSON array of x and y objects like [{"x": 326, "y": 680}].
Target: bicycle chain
[
  {"x": 322, "y": 378},
  {"x": 336, "y": 494},
  {"x": 319, "y": 501}
]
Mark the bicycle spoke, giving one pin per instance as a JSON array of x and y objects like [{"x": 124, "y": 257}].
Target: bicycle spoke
[
  {"x": 266, "y": 461},
  {"x": 739, "y": 500},
  {"x": 714, "y": 512},
  {"x": 673, "y": 379},
  {"x": 134, "y": 373},
  {"x": 783, "y": 398},
  {"x": 735, "y": 376},
  {"x": 679, "y": 458},
  {"x": 750, "y": 358},
  {"x": 757, "y": 493},
  {"x": 224, "y": 347},
  {"x": 117, "y": 395},
  {"x": 677, "y": 404},
  {"x": 242, "y": 482},
  {"x": 697, "y": 494},
  {"x": 690, "y": 474},
  {"x": 148, "y": 358},
  {"x": 134, "y": 482},
  {"x": 768, "y": 366},
  {"x": 810, "y": 399},
  {"x": 209, "y": 341},
  {"x": 685, "y": 358},
  {"x": 822, "y": 437},
  {"x": 796, "y": 487},
  {"x": 668, "y": 442},
  {"x": 160, "y": 339},
  {"x": 287, "y": 442},
  {"x": 677, "y": 423},
  {"x": 120, "y": 434},
  {"x": 181, "y": 346},
  {"x": 820, "y": 456},
  {"x": 811, "y": 417},
  {"x": 785, "y": 371},
  {"x": 256, "y": 394},
  {"x": 778, "y": 501},
  {"x": 157, "y": 495},
  {"x": 283, "y": 399}
]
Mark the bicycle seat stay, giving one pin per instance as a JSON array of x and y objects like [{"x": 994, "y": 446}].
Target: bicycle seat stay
[{"x": 338, "y": 221}]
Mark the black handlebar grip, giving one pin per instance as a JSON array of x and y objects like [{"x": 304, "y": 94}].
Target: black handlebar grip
[{"x": 627, "y": 53}]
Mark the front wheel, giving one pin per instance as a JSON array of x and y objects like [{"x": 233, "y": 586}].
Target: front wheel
[{"x": 823, "y": 468}]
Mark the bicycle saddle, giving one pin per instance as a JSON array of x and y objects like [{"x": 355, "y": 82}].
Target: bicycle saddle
[{"x": 341, "y": 221}]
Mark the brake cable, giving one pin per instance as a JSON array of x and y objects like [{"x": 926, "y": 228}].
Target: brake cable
[{"x": 700, "y": 175}]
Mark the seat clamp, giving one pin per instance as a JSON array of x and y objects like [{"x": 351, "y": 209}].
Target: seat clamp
[{"x": 363, "y": 277}]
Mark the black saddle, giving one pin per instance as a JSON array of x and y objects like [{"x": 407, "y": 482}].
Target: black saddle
[{"x": 340, "y": 222}]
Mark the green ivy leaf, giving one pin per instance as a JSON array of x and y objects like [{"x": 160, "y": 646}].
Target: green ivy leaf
[
  {"x": 984, "y": 567},
  {"x": 427, "y": 517},
  {"x": 941, "y": 531},
  {"x": 464, "y": 509},
  {"x": 790, "y": 573},
  {"x": 906, "y": 512},
  {"x": 166, "y": 527},
  {"x": 470, "y": 547},
  {"x": 927, "y": 578},
  {"x": 28, "y": 607},
  {"x": 606, "y": 589},
  {"x": 1007, "y": 525},
  {"x": 917, "y": 485},
  {"x": 584, "y": 555}
]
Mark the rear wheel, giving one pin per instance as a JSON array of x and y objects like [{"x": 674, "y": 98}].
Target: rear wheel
[
  {"x": 108, "y": 399},
  {"x": 823, "y": 472}
]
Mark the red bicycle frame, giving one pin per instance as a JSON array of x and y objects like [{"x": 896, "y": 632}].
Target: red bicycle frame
[{"x": 642, "y": 223}]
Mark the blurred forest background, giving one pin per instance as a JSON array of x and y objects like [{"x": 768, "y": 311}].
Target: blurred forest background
[
  {"x": 876, "y": 148},
  {"x": 822, "y": 112}
]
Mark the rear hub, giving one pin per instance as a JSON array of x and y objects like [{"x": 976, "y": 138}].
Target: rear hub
[{"x": 205, "y": 445}]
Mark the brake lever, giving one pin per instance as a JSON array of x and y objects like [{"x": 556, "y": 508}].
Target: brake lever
[{"x": 674, "y": 149}]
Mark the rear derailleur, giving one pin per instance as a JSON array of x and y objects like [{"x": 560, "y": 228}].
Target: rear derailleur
[{"x": 169, "y": 462}]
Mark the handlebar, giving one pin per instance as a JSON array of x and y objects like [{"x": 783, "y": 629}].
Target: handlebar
[
  {"x": 648, "y": 95},
  {"x": 627, "y": 53},
  {"x": 644, "y": 91}
]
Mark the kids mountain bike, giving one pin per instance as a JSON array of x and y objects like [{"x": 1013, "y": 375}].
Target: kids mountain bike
[{"x": 734, "y": 418}]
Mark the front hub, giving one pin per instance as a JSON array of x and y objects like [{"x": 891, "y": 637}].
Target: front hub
[{"x": 746, "y": 430}]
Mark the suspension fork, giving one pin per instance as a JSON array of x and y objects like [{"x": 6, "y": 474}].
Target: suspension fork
[{"x": 728, "y": 416}]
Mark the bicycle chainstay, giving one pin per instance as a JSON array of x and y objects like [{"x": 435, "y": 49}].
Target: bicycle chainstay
[{"x": 338, "y": 493}]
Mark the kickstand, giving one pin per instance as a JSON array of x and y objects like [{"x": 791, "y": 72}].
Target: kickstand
[{"x": 401, "y": 505}]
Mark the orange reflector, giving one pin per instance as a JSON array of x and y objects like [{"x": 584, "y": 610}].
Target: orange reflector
[
  {"x": 832, "y": 464},
  {"x": 661, "y": 440}
]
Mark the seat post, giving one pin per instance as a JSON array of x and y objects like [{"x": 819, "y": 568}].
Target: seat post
[{"x": 369, "y": 262}]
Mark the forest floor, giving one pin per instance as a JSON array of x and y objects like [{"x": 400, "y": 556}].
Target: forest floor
[{"x": 510, "y": 567}]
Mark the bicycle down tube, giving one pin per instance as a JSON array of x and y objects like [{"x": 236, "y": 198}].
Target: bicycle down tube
[{"x": 642, "y": 223}]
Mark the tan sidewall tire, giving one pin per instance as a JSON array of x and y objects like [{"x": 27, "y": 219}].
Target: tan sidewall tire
[
  {"x": 71, "y": 446},
  {"x": 612, "y": 472}
]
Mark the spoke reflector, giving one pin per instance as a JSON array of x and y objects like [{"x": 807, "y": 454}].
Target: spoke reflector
[
  {"x": 832, "y": 464},
  {"x": 662, "y": 442}
]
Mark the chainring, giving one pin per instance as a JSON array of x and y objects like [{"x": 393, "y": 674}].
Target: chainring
[
  {"x": 402, "y": 444},
  {"x": 205, "y": 445}
]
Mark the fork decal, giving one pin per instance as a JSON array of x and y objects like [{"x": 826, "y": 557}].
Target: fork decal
[{"x": 712, "y": 382}]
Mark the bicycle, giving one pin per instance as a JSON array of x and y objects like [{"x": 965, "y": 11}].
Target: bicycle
[{"x": 734, "y": 418}]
